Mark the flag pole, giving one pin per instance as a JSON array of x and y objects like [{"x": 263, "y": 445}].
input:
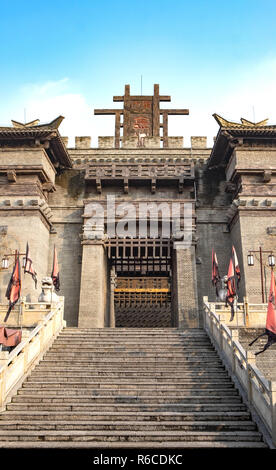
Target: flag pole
[{"x": 262, "y": 274}]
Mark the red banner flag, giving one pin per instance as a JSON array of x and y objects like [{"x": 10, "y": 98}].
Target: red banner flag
[
  {"x": 28, "y": 268},
  {"x": 215, "y": 271},
  {"x": 231, "y": 288},
  {"x": 271, "y": 307},
  {"x": 233, "y": 270},
  {"x": 14, "y": 287},
  {"x": 236, "y": 265},
  {"x": 270, "y": 327},
  {"x": 55, "y": 271}
]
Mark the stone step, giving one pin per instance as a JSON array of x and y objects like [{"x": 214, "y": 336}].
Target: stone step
[
  {"x": 132, "y": 340},
  {"x": 135, "y": 339},
  {"x": 153, "y": 367},
  {"x": 129, "y": 387},
  {"x": 104, "y": 348},
  {"x": 123, "y": 376},
  {"x": 127, "y": 407},
  {"x": 134, "y": 361},
  {"x": 162, "y": 444},
  {"x": 69, "y": 379},
  {"x": 130, "y": 436},
  {"x": 106, "y": 382},
  {"x": 22, "y": 416},
  {"x": 143, "y": 399},
  {"x": 132, "y": 426},
  {"x": 140, "y": 356},
  {"x": 122, "y": 330},
  {"x": 120, "y": 392}
]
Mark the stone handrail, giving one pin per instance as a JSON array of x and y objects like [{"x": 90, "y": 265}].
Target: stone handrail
[
  {"x": 24, "y": 314},
  {"x": 16, "y": 364},
  {"x": 247, "y": 314},
  {"x": 260, "y": 392}
]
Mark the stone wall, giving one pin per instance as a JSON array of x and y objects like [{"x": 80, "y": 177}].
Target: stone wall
[{"x": 56, "y": 218}]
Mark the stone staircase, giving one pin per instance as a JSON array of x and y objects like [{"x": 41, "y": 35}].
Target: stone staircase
[{"x": 129, "y": 388}]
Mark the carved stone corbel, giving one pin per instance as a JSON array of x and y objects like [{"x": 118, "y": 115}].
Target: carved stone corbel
[{"x": 11, "y": 174}]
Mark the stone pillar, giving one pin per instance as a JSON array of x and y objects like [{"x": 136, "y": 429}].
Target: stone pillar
[
  {"x": 112, "y": 322},
  {"x": 93, "y": 306},
  {"x": 184, "y": 288}
]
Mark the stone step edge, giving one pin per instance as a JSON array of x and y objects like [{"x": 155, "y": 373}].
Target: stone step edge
[
  {"x": 126, "y": 433},
  {"x": 130, "y": 423},
  {"x": 131, "y": 413},
  {"x": 125, "y": 445}
]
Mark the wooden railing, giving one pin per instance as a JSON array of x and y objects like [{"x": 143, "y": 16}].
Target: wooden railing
[
  {"x": 16, "y": 364},
  {"x": 260, "y": 392}
]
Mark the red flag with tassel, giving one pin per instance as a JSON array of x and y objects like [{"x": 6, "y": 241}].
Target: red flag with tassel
[
  {"x": 55, "y": 271},
  {"x": 233, "y": 270},
  {"x": 231, "y": 288},
  {"x": 236, "y": 266},
  {"x": 215, "y": 271},
  {"x": 14, "y": 287},
  {"x": 270, "y": 327},
  {"x": 28, "y": 268}
]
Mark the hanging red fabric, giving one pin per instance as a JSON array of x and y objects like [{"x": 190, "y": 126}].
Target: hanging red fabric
[
  {"x": 55, "y": 271},
  {"x": 14, "y": 287},
  {"x": 271, "y": 307}
]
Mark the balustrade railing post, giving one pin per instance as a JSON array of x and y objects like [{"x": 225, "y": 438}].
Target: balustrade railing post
[
  {"x": 234, "y": 337},
  {"x": 26, "y": 356},
  {"x": 41, "y": 335},
  {"x": 220, "y": 337},
  {"x": 2, "y": 387},
  {"x": 246, "y": 311},
  {"x": 251, "y": 360},
  {"x": 205, "y": 304},
  {"x": 273, "y": 410}
]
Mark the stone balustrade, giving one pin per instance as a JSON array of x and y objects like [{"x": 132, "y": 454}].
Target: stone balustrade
[
  {"x": 257, "y": 390},
  {"x": 15, "y": 365},
  {"x": 24, "y": 314},
  {"x": 246, "y": 314}
]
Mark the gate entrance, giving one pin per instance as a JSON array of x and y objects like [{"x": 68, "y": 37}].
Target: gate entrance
[
  {"x": 142, "y": 301},
  {"x": 142, "y": 291}
]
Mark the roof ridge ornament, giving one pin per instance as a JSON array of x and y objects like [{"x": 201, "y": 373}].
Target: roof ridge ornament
[
  {"x": 27, "y": 124},
  {"x": 250, "y": 123},
  {"x": 53, "y": 124},
  {"x": 244, "y": 122}
]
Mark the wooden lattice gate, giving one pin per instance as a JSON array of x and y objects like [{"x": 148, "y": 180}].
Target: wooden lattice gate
[
  {"x": 143, "y": 302},
  {"x": 142, "y": 293}
]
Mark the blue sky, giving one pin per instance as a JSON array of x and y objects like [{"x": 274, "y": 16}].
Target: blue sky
[{"x": 69, "y": 57}]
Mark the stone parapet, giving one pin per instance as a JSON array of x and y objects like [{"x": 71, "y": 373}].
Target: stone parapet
[
  {"x": 65, "y": 140},
  {"x": 175, "y": 142},
  {"x": 106, "y": 142},
  {"x": 198, "y": 142},
  {"x": 149, "y": 142},
  {"x": 83, "y": 142}
]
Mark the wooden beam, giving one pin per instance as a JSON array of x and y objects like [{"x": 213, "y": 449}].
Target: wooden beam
[
  {"x": 165, "y": 130},
  {"x": 108, "y": 111},
  {"x": 156, "y": 112},
  {"x": 174, "y": 111},
  {"x": 117, "y": 130}
]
